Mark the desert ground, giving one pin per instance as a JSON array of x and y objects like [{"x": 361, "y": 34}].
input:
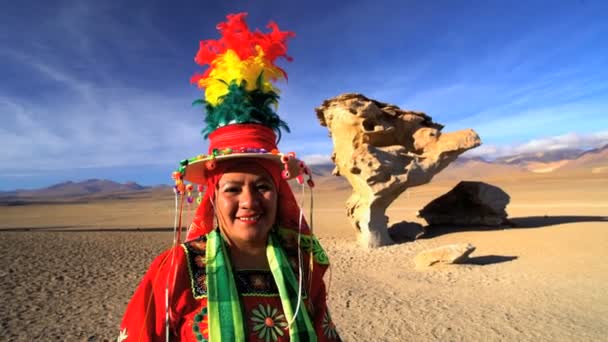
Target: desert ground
[{"x": 68, "y": 269}]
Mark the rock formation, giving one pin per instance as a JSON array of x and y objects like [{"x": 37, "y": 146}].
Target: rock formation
[
  {"x": 468, "y": 204},
  {"x": 382, "y": 150},
  {"x": 449, "y": 254}
]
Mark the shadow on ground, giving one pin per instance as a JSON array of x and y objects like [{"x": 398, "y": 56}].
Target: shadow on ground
[
  {"x": 515, "y": 223},
  {"x": 489, "y": 259},
  {"x": 74, "y": 229}
]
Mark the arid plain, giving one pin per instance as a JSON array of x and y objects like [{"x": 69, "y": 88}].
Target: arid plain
[{"x": 68, "y": 269}]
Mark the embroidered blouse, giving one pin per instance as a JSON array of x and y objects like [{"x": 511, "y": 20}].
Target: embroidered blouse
[{"x": 263, "y": 316}]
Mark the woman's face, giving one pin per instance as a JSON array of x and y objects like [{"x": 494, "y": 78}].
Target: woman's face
[{"x": 246, "y": 204}]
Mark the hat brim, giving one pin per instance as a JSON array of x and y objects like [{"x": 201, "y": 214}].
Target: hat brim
[{"x": 196, "y": 171}]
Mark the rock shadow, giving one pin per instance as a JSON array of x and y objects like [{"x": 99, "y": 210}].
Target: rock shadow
[
  {"x": 405, "y": 232},
  {"x": 546, "y": 220},
  {"x": 64, "y": 229},
  {"x": 29, "y": 229},
  {"x": 514, "y": 223},
  {"x": 489, "y": 259}
]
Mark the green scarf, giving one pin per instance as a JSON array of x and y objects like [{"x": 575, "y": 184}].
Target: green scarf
[{"x": 223, "y": 302}]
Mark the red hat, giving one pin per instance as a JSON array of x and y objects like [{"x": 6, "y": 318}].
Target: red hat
[{"x": 241, "y": 99}]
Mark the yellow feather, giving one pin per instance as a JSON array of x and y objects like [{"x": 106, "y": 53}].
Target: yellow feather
[{"x": 229, "y": 67}]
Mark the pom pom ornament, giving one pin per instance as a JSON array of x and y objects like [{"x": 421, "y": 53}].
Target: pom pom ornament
[
  {"x": 240, "y": 100},
  {"x": 210, "y": 165}
]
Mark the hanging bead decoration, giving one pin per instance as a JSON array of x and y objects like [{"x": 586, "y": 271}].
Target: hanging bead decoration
[
  {"x": 300, "y": 179},
  {"x": 285, "y": 160},
  {"x": 199, "y": 198},
  {"x": 224, "y": 152},
  {"x": 189, "y": 188},
  {"x": 211, "y": 163}
]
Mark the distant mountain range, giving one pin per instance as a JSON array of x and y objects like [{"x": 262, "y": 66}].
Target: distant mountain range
[
  {"x": 568, "y": 159},
  {"x": 594, "y": 161},
  {"x": 73, "y": 190},
  {"x": 542, "y": 157}
]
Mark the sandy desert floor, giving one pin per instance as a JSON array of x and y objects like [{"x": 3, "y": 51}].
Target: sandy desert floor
[{"x": 68, "y": 270}]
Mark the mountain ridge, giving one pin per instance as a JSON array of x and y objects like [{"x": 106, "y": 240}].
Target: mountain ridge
[
  {"x": 74, "y": 189},
  {"x": 594, "y": 160}
]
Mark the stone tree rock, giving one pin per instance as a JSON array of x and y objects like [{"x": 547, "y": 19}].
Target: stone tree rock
[
  {"x": 382, "y": 150},
  {"x": 468, "y": 204}
]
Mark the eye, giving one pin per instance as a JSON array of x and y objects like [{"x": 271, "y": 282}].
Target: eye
[
  {"x": 264, "y": 187},
  {"x": 231, "y": 189}
]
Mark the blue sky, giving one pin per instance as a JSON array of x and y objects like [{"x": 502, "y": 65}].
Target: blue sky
[{"x": 100, "y": 89}]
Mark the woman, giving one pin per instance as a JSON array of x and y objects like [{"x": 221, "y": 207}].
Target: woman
[{"x": 250, "y": 269}]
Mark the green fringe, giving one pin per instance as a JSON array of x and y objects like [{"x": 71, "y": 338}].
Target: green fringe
[{"x": 242, "y": 106}]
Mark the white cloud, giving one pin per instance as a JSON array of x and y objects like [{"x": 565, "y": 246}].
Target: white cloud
[
  {"x": 315, "y": 159},
  {"x": 135, "y": 128},
  {"x": 50, "y": 71},
  {"x": 517, "y": 124},
  {"x": 566, "y": 141},
  {"x": 81, "y": 122},
  {"x": 555, "y": 143}
]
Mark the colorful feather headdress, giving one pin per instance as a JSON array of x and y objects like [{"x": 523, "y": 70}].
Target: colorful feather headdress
[
  {"x": 241, "y": 99},
  {"x": 239, "y": 81}
]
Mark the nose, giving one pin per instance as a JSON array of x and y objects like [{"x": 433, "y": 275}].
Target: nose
[{"x": 249, "y": 199}]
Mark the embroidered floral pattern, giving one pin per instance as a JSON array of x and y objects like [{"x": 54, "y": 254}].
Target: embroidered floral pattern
[
  {"x": 308, "y": 243},
  {"x": 200, "y": 327},
  {"x": 329, "y": 328},
  {"x": 122, "y": 336},
  {"x": 255, "y": 282},
  {"x": 201, "y": 282},
  {"x": 197, "y": 260},
  {"x": 258, "y": 282},
  {"x": 200, "y": 260},
  {"x": 267, "y": 323},
  {"x": 199, "y": 245}
]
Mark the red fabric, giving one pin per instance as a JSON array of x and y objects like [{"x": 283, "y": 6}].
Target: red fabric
[
  {"x": 288, "y": 210},
  {"x": 144, "y": 319},
  {"x": 237, "y": 136}
]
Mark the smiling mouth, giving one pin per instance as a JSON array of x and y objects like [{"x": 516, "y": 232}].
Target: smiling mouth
[{"x": 250, "y": 219}]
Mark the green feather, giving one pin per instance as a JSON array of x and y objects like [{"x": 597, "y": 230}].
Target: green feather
[{"x": 242, "y": 106}]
